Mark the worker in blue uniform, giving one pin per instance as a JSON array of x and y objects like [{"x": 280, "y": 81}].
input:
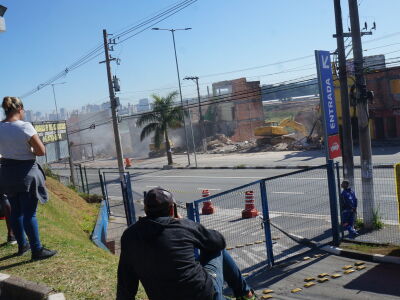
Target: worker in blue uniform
[{"x": 349, "y": 208}]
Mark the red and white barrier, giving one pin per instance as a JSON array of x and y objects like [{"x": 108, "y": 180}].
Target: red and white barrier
[
  {"x": 250, "y": 210},
  {"x": 208, "y": 208}
]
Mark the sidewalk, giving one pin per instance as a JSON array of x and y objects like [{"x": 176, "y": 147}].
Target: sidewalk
[
  {"x": 387, "y": 155},
  {"x": 376, "y": 281}
]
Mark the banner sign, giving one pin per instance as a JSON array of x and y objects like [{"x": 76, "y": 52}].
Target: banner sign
[
  {"x": 50, "y": 132},
  {"x": 327, "y": 91},
  {"x": 328, "y": 103}
]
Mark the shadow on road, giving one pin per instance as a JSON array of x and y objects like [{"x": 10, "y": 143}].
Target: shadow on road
[
  {"x": 266, "y": 277},
  {"x": 373, "y": 281}
]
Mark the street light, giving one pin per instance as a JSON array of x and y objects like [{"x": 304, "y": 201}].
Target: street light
[
  {"x": 172, "y": 30},
  {"x": 54, "y": 96},
  {"x": 2, "y": 22},
  {"x": 58, "y": 152}
]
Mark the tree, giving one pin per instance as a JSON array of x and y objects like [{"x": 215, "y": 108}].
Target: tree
[{"x": 165, "y": 115}]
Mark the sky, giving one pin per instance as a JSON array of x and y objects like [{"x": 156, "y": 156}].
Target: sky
[{"x": 44, "y": 37}]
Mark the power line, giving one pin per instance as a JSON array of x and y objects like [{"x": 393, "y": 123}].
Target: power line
[{"x": 98, "y": 49}]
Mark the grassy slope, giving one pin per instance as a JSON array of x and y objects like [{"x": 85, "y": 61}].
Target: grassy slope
[{"x": 80, "y": 270}]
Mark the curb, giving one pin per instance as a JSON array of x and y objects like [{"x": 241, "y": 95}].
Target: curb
[
  {"x": 12, "y": 288},
  {"x": 208, "y": 168},
  {"x": 363, "y": 256},
  {"x": 381, "y": 166}
]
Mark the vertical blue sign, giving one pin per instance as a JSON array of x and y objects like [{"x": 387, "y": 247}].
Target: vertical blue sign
[{"x": 327, "y": 91}]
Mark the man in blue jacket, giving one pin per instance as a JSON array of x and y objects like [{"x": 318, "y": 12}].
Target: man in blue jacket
[
  {"x": 349, "y": 208},
  {"x": 159, "y": 251}
]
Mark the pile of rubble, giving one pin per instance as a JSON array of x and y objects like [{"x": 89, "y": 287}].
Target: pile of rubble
[{"x": 221, "y": 144}]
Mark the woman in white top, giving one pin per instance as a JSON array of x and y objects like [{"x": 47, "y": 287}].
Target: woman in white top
[{"x": 21, "y": 178}]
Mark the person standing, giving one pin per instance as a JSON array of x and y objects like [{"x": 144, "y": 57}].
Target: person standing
[
  {"x": 21, "y": 178},
  {"x": 349, "y": 208}
]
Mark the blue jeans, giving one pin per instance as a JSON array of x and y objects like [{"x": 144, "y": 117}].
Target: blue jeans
[
  {"x": 222, "y": 267},
  {"x": 23, "y": 219}
]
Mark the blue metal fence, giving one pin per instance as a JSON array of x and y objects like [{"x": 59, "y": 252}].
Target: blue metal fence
[
  {"x": 303, "y": 203},
  {"x": 122, "y": 206}
]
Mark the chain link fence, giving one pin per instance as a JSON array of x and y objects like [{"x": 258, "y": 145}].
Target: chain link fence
[
  {"x": 299, "y": 204},
  {"x": 260, "y": 219},
  {"x": 385, "y": 207}
]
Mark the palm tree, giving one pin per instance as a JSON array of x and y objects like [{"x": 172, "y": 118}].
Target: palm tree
[{"x": 165, "y": 115}]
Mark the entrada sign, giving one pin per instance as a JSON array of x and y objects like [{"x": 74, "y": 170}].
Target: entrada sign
[{"x": 328, "y": 103}]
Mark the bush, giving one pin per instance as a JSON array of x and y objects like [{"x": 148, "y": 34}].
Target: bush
[
  {"x": 376, "y": 221},
  {"x": 91, "y": 198}
]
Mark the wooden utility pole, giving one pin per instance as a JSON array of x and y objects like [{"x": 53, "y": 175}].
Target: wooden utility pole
[
  {"x": 363, "y": 119},
  {"x": 114, "y": 105},
  {"x": 347, "y": 138}
]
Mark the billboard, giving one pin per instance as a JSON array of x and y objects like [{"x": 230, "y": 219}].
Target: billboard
[
  {"x": 50, "y": 132},
  {"x": 328, "y": 103}
]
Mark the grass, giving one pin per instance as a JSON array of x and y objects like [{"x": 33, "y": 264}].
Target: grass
[
  {"x": 372, "y": 249},
  {"x": 377, "y": 223},
  {"x": 80, "y": 270}
]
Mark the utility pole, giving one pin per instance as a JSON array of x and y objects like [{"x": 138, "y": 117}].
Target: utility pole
[
  {"x": 201, "y": 119},
  {"x": 347, "y": 141},
  {"x": 114, "y": 105},
  {"x": 363, "y": 120},
  {"x": 191, "y": 129}
]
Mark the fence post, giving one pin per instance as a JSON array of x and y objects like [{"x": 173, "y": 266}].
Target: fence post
[
  {"x": 104, "y": 192},
  {"x": 86, "y": 180},
  {"x": 190, "y": 209},
  {"x": 124, "y": 199},
  {"x": 83, "y": 183},
  {"x": 333, "y": 203},
  {"x": 196, "y": 212},
  {"x": 131, "y": 205},
  {"x": 340, "y": 199},
  {"x": 266, "y": 225}
]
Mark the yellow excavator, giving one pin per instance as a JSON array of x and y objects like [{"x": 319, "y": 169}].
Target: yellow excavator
[{"x": 275, "y": 129}]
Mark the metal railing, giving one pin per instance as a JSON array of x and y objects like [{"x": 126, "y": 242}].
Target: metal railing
[
  {"x": 119, "y": 206},
  {"x": 302, "y": 203}
]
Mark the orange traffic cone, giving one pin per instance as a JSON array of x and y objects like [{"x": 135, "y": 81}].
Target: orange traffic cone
[
  {"x": 208, "y": 208},
  {"x": 128, "y": 162},
  {"x": 249, "y": 210}
]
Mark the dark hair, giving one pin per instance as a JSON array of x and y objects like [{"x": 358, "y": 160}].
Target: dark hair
[
  {"x": 346, "y": 183},
  {"x": 11, "y": 105},
  {"x": 160, "y": 212}
]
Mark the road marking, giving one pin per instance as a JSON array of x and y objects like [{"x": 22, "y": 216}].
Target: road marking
[
  {"x": 389, "y": 196},
  {"x": 291, "y": 193},
  {"x": 274, "y": 214}
]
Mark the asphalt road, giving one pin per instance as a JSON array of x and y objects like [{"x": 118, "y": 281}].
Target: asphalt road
[{"x": 298, "y": 204}]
